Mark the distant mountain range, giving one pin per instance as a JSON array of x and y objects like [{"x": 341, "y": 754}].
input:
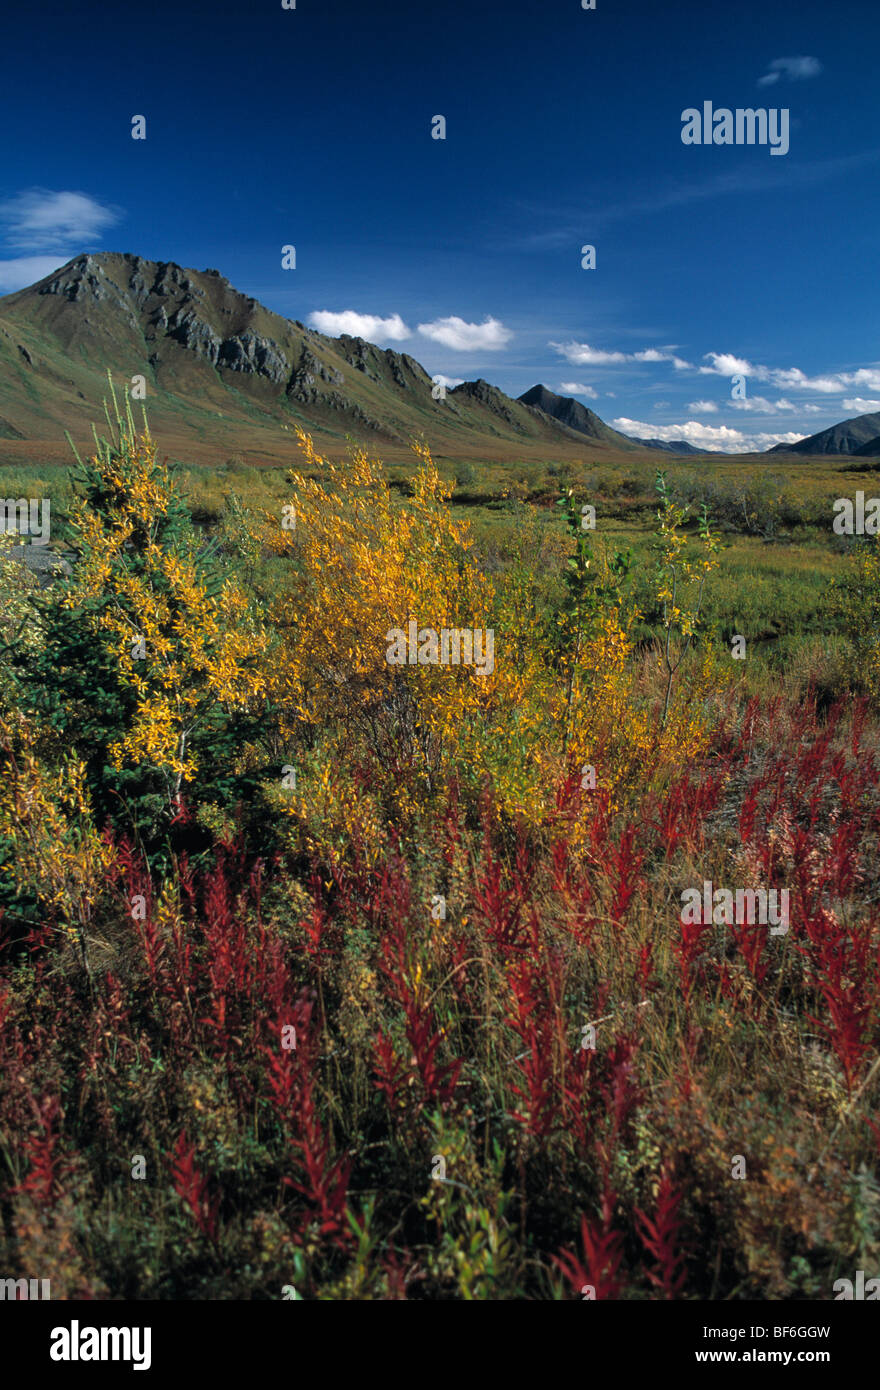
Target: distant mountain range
[
  {"x": 575, "y": 416},
  {"x": 674, "y": 446},
  {"x": 860, "y": 435},
  {"x": 224, "y": 375}
]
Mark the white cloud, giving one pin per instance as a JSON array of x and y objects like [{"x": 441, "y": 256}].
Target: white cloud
[
  {"x": 456, "y": 333},
  {"x": 447, "y": 381},
  {"x": 26, "y": 270},
  {"x": 582, "y": 355},
  {"x": 577, "y": 388},
  {"x": 725, "y": 364},
  {"x": 659, "y": 355},
  {"x": 764, "y": 441},
  {"x": 368, "y": 326},
  {"x": 865, "y": 376},
  {"x": 722, "y": 437},
  {"x": 824, "y": 385},
  {"x": 38, "y": 220},
  {"x": 793, "y": 69},
  {"x": 791, "y": 378},
  {"x": 760, "y": 405},
  {"x": 48, "y": 227}
]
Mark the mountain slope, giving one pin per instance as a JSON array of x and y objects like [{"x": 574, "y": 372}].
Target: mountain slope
[
  {"x": 844, "y": 438},
  {"x": 574, "y": 416},
  {"x": 224, "y": 373},
  {"x": 869, "y": 450}
]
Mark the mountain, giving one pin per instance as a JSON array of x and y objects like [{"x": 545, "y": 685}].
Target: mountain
[
  {"x": 845, "y": 438},
  {"x": 574, "y": 416},
  {"x": 223, "y": 374},
  {"x": 869, "y": 450},
  {"x": 671, "y": 446}
]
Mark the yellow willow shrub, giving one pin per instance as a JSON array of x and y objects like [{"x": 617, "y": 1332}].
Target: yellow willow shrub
[
  {"x": 615, "y": 728},
  {"x": 329, "y": 810},
  {"x": 855, "y": 599},
  {"x": 643, "y": 749},
  {"x": 50, "y": 851},
  {"x": 680, "y": 581},
  {"x": 20, "y": 624},
  {"x": 52, "y": 1239},
  {"x": 366, "y": 565},
  {"x": 548, "y": 713},
  {"x": 17, "y": 586},
  {"x": 637, "y": 745},
  {"x": 521, "y": 720},
  {"x": 183, "y": 647},
  {"x": 521, "y": 740}
]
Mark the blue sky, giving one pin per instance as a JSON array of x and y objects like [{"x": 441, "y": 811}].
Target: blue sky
[{"x": 312, "y": 127}]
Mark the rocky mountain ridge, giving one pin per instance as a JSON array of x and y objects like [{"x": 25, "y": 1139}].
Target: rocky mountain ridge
[{"x": 209, "y": 353}]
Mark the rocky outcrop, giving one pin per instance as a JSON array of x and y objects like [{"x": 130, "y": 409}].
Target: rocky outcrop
[
  {"x": 304, "y": 381},
  {"x": 249, "y": 353},
  {"x": 191, "y": 332},
  {"x": 138, "y": 285},
  {"x": 361, "y": 355},
  {"x": 490, "y": 396},
  {"x": 384, "y": 366},
  {"x": 244, "y": 352},
  {"x": 171, "y": 277},
  {"x": 82, "y": 279}
]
